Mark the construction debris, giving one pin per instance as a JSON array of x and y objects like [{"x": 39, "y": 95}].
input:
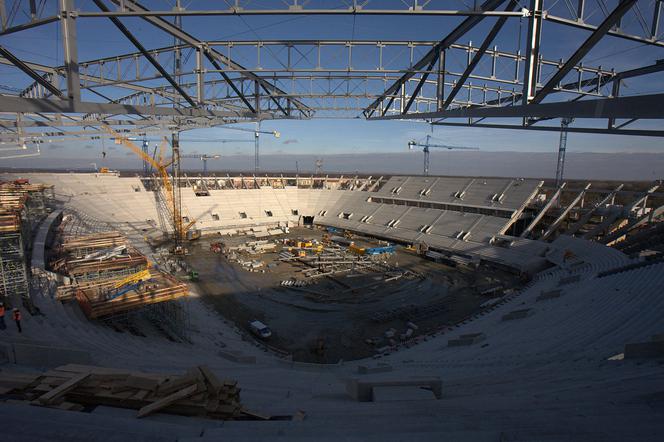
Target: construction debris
[{"x": 72, "y": 387}]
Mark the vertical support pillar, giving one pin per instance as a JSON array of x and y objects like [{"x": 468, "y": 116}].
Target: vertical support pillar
[
  {"x": 145, "y": 148},
  {"x": 68, "y": 25},
  {"x": 3, "y": 15},
  {"x": 256, "y": 147},
  {"x": 532, "y": 51},
  {"x": 615, "y": 92},
  {"x": 440, "y": 85},
  {"x": 257, "y": 97},
  {"x": 177, "y": 193},
  {"x": 200, "y": 76},
  {"x": 654, "y": 31},
  {"x": 33, "y": 10},
  {"x": 177, "y": 59},
  {"x": 580, "y": 10}
]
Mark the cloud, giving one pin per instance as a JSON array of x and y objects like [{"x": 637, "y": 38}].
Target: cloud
[{"x": 290, "y": 141}]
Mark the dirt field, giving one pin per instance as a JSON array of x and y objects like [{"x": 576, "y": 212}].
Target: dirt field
[{"x": 345, "y": 316}]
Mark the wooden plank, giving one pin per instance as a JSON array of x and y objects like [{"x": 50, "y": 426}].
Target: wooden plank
[
  {"x": 168, "y": 387},
  {"x": 141, "y": 383},
  {"x": 168, "y": 400},
  {"x": 212, "y": 380},
  {"x": 61, "y": 390}
]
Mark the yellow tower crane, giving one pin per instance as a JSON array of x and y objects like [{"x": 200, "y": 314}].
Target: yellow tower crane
[{"x": 171, "y": 190}]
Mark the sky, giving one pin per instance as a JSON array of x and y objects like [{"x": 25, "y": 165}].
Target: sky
[{"x": 98, "y": 38}]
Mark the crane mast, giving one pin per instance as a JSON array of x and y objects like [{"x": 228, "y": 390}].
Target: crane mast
[
  {"x": 562, "y": 148},
  {"x": 426, "y": 150}
]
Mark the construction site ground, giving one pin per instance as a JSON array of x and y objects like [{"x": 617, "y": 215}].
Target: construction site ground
[{"x": 346, "y": 316}]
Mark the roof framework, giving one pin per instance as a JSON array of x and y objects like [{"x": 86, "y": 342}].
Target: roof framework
[{"x": 448, "y": 81}]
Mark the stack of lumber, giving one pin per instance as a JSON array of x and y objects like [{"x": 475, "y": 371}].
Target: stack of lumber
[
  {"x": 80, "y": 267},
  {"x": 102, "y": 255},
  {"x": 74, "y": 246},
  {"x": 77, "y": 387},
  {"x": 13, "y": 199},
  {"x": 9, "y": 222},
  {"x": 94, "y": 297}
]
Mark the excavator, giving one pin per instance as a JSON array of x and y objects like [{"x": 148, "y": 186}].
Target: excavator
[{"x": 174, "y": 203}]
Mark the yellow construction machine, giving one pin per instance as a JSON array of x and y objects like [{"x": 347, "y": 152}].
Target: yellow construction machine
[{"x": 174, "y": 202}]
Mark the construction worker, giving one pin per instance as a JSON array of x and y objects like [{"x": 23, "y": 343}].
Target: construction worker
[
  {"x": 17, "y": 319},
  {"x": 3, "y": 326}
]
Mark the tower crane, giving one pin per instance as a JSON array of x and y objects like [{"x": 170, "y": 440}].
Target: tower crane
[
  {"x": 427, "y": 144},
  {"x": 257, "y": 133},
  {"x": 171, "y": 187},
  {"x": 203, "y": 157},
  {"x": 562, "y": 147}
]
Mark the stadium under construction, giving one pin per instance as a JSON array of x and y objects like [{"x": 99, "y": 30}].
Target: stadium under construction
[{"x": 163, "y": 303}]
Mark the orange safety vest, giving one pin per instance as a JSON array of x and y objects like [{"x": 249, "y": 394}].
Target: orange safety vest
[{"x": 17, "y": 315}]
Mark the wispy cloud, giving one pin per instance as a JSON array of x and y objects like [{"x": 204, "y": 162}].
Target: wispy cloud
[{"x": 290, "y": 141}]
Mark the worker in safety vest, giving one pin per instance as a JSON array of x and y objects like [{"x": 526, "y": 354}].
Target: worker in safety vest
[
  {"x": 17, "y": 319},
  {"x": 2, "y": 316}
]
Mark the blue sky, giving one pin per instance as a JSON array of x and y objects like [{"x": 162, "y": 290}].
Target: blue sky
[{"x": 98, "y": 38}]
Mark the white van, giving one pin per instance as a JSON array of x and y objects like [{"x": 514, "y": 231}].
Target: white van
[{"x": 259, "y": 329}]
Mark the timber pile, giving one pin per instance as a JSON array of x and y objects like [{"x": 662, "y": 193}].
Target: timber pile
[
  {"x": 78, "y": 387},
  {"x": 96, "y": 298},
  {"x": 9, "y": 222},
  {"x": 78, "y": 246},
  {"x": 81, "y": 267}
]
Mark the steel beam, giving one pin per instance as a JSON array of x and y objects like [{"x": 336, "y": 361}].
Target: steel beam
[
  {"x": 531, "y": 70},
  {"x": 18, "y": 104},
  {"x": 300, "y": 10},
  {"x": 68, "y": 25},
  {"x": 28, "y": 70},
  {"x": 580, "y": 130},
  {"x": 3, "y": 16},
  {"x": 554, "y": 225},
  {"x": 583, "y": 220},
  {"x": 595, "y": 37},
  {"x": 24, "y": 26},
  {"x": 478, "y": 55},
  {"x": 654, "y": 28},
  {"x": 118, "y": 24},
  {"x": 637, "y": 106},
  {"x": 209, "y": 52},
  {"x": 542, "y": 212},
  {"x": 434, "y": 52}
]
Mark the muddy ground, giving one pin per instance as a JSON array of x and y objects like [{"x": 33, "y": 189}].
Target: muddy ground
[{"x": 345, "y": 317}]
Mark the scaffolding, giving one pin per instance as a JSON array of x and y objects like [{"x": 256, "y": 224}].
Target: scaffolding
[
  {"x": 22, "y": 207},
  {"x": 99, "y": 261},
  {"x": 13, "y": 272}
]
